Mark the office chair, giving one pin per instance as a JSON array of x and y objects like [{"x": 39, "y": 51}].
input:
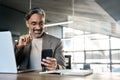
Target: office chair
[
  {"x": 68, "y": 61},
  {"x": 86, "y": 66}
]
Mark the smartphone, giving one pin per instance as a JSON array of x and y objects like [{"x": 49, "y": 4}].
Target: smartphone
[{"x": 47, "y": 53}]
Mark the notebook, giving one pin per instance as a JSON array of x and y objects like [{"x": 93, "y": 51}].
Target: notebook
[
  {"x": 69, "y": 72},
  {"x": 7, "y": 55}
]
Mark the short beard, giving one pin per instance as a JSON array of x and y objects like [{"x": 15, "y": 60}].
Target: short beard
[{"x": 37, "y": 35}]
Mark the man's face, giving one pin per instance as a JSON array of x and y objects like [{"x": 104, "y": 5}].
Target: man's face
[{"x": 36, "y": 25}]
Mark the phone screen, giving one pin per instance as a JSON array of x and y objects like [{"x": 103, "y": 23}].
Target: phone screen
[{"x": 47, "y": 53}]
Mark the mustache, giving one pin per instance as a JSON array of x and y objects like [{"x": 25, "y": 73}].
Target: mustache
[{"x": 39, "y": 30}]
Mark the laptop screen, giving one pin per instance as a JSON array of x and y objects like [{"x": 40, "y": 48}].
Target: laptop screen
[{"x": 7, "y": 56}]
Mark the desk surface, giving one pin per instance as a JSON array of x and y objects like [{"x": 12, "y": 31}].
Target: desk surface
[{"x": 37, "y": 76}]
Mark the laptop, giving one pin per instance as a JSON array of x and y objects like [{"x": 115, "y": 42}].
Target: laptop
[{"x": 7, "y": 55}]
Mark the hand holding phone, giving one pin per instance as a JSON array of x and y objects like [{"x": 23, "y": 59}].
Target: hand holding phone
[
  {"x": 48, "y": 62},
  {"x": 46, "y": 53}
]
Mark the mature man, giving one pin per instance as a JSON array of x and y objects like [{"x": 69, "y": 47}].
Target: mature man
[{"x": 29, "y": 47}]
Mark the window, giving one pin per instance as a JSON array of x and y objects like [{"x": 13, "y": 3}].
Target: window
[{"x": 100, "y": 51}]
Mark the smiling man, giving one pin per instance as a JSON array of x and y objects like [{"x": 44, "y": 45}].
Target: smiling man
[{"x": 30, "y": 46}]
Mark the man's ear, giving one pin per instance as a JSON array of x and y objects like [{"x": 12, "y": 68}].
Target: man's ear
[{"x": 27, "y": 24}]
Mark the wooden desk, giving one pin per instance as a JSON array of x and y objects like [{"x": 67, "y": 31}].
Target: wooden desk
[{"x": 37, "y": 76}]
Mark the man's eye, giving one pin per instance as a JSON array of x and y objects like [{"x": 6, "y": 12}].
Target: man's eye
[
  {"x": 41, "y": 24},
  {"x": 33, "y": 24}
]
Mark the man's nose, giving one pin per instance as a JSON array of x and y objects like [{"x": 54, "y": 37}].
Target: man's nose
[{"x": 38, "y": 26}]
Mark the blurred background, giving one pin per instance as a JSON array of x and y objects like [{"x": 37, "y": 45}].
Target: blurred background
[{"x": 90, "y": 29}]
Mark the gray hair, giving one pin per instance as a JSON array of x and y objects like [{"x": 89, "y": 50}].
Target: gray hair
[{"x": 34, "y": 11}]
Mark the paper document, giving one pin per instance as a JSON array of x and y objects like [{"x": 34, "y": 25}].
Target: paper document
[{"x": 69, "y": 72}]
